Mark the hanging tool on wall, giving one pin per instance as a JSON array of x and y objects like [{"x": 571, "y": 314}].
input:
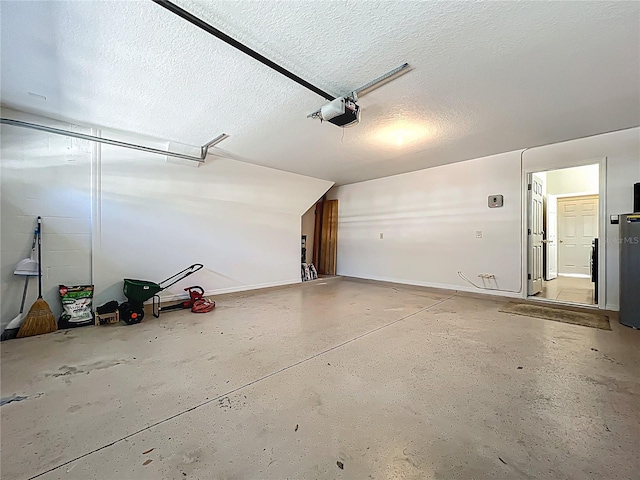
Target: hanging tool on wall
[
  {"x": 40, "y": 319},
  {"x": 28, "y": 268}
]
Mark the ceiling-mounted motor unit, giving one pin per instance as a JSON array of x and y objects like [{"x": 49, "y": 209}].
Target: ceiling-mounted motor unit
[{"x": 343, "y": 112}]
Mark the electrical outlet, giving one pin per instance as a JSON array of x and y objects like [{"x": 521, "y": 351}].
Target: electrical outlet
[{"x": 478, "y": 233}]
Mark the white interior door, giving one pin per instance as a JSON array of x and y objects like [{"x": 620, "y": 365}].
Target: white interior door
[
  {"x": 577, "y": 227},
  {"x": 551, "y": 242},
  {"x": 535, "y": 232}
]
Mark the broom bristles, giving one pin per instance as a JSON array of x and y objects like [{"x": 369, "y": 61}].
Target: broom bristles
[{"x": 39, "y": 320}]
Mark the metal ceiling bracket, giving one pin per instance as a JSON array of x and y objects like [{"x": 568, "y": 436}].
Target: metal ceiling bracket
[{"x": 204, "y": 150}]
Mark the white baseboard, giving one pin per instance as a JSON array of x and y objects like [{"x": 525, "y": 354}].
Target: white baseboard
[
  {"x": 221, "y": 291},
  {"x": 614, "y": 307},
  {"x": 440, "y": 286},
  {"x": 574, "y": 275}
]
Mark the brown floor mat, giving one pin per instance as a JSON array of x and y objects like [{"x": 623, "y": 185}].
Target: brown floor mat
[{"x": 587, "y": 319}]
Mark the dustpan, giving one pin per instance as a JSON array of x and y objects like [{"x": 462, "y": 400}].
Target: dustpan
[{"x": 28, "y": 266}]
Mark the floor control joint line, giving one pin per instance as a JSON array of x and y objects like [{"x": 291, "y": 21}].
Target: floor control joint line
[{"x": 237, "y": 389}]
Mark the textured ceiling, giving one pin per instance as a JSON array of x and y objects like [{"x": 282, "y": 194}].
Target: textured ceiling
[{"x": 486, "y": 77}]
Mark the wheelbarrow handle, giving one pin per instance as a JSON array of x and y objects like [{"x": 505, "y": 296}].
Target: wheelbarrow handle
[{"x": 173, "y": 279}]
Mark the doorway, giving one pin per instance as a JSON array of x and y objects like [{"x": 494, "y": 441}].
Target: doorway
[
  {"x": 563, "y": 228},
  {"x": 319, "y": 242},
  {"x": 326, "y": 237}
]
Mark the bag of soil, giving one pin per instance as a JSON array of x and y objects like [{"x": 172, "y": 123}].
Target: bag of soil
[{"x": 76, "y": 303}]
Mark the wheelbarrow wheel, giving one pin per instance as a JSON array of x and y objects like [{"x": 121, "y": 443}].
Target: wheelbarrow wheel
[{"x": 131, "y": 314}]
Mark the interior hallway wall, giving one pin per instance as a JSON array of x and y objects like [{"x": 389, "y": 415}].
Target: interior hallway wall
[
  {"x": 150, "y": 218},
  {"x": 574, "y": 181},
  {"x": 429, "y": 218},
  {"x": 582, "y": 180}
]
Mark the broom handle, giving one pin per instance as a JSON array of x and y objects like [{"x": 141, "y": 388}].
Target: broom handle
[
  {"x": 39, "y": 257},
  {"x": 24, "y": 293}
]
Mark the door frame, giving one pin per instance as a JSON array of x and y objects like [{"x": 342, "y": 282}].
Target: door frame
[
  {"x": 559, "y": 164},
  {"x": 548, "y": 242}
]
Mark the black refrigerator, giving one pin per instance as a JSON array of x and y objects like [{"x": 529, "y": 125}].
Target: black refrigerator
[{"x": 630, "y": 270}]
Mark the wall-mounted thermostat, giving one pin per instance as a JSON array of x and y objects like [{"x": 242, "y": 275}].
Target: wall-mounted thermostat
[{"x": 495, "y": 201}]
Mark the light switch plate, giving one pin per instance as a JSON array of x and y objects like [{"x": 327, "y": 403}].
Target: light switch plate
[
  {"x": 615, "y": 219},
  {"x": 496, "y": 201}
]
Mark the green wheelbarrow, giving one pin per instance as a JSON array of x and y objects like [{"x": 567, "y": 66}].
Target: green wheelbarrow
[{"x": 139, "y": 291}]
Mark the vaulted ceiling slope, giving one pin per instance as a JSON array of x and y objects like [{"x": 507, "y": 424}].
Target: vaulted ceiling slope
[{"x": 486, "y": 77}]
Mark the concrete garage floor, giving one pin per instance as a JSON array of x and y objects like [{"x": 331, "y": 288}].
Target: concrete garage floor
[{"x": 393, "y": 382}]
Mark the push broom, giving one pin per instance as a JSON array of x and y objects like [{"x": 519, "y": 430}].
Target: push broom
[{"x": 40, "y": 319}]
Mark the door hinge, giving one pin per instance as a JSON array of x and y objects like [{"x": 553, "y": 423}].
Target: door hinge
[
  {"x": 529, "y": 187},
  {"x": 528, "y": 231},
  {"x": 529, "y": 276}
]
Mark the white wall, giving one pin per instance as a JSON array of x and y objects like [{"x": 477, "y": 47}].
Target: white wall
[
  {"x": 429, "y": 220},
  {"x": 429, "y": 217},
  {"x": 308, "y": 229},
  {"x": 574, "y": 181},
  {"x": 150, "y": 218},
  {"x": 45, "y": 175},
  {"x": 241, "y": 221}
]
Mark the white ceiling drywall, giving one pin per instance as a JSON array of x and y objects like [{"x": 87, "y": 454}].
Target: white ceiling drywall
[{"x": 487, "y": 77}]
